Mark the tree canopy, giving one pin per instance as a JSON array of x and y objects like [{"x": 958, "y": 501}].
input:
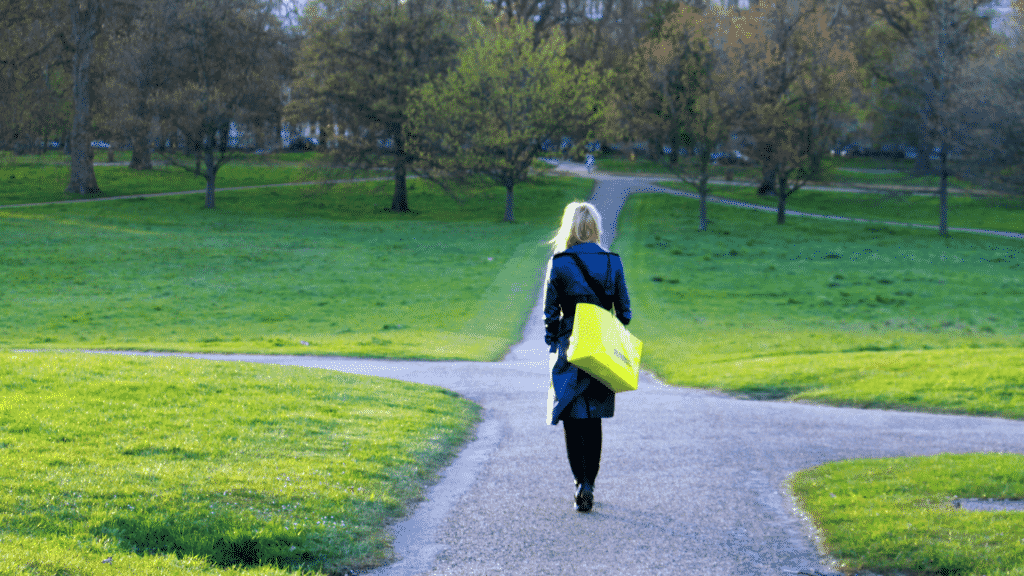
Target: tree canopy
[
  {"x": 507, "y": 98},
  {"x": 359, "y": 63},
  {"x": 221, "y": 62}
]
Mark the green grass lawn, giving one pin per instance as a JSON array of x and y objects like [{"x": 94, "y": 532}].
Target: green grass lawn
[
  {"x": 896, "y": 516},
  {"x": 620, "y": 165},
  {"x": 837, "y": 171},
  {"x": 841, "y": 313},
  {"x": 306, "y": 270},
  {"x": 179, "y": 466},
  {"x": 28, "y": 179},
  {"x": 987, "y": 212}
]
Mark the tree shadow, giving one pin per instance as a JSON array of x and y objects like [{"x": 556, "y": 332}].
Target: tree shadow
[{"x": 223, "y": 538}]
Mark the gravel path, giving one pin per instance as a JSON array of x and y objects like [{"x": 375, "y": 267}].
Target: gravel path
[{"x": 692, "y": 482}]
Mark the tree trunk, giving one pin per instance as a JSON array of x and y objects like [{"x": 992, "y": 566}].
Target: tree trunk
[
  {"x": 400, "y": 200},
  {"x": 923, "y": 162},
  {"x": 509, "y": 215},
  {"x": 211, "y": 175},
  {"x": 142, "y": 158},
  {"x": 783, "y": 193},
  {"x": 767, "y": 187},
  {"x": 703, "y": 191},
  {"x": 84, "y": 28},
  {"x": 943, "y": 192}
]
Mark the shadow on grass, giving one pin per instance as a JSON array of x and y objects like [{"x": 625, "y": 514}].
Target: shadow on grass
[{"x": 223, "y": 539}]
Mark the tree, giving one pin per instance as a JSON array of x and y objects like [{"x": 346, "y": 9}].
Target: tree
[
  {"x": 995, "y": 85},
  {"x": 928, "y": 47},
  {"x": 358, "y": 64},
  {"x": 603, "y": 31},
  {"x": 130, "y": 76},
  {"x": 676, "y": 93},
  {"x": 795, "y": 73},
  {"x": 34, "y": 80},
  {"x": 493, "y": 113},
  {"x": 86, "y": 20},
  {"x": 223, "y": 65}
]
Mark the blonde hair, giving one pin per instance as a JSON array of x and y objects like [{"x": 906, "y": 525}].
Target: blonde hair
[{"x": 581, "y": 222}]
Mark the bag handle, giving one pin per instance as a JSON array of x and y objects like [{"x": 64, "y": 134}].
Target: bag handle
[{"x": 599, "y": 290}]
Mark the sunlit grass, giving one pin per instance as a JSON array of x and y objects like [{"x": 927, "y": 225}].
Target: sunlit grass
[
  {"x": 963, "y": 381},
  {"x": 168, "y": 465},
  {"x": 896, "y": 516},
  {"x": 832, "y": 312}
]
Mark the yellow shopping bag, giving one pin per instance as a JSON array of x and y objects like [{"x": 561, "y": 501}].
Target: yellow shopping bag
[{"x": 601, "y": 346}]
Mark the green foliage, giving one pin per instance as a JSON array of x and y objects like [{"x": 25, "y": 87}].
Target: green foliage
[
  {"x": 359, "y": 64},
  {"x": 507, "y": 97},
  {"x": 841, "y": 313},
  {"x": 676, "y": 92},
  {"x": 177, "y": 466},
  {"x": 271, "y": 269},
  {"x": 219, "y": 65},
  {"x": 896, "y": 516}
]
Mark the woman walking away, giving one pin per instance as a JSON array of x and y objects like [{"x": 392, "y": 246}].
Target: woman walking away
[{"x": 579, "y": 269}]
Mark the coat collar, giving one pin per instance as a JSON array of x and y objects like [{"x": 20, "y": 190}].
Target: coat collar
[{"x": 585, "y": 248}]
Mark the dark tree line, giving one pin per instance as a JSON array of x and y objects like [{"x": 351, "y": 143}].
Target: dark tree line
[{"x": 779, "y": 83}]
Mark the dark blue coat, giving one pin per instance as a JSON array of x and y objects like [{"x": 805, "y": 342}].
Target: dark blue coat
[{"x": 574, "y": 393}]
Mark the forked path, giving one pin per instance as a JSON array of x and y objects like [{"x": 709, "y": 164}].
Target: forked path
[{"x": 691, "y": 482}]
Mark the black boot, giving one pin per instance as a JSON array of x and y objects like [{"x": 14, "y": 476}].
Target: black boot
[{"x": 584, "y": 499}]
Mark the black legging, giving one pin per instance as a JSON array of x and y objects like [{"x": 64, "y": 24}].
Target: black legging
[{"x": 583, "y": 446}]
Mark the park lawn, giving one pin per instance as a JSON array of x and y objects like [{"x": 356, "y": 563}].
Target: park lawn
[
  {"x": 835, "y": 171},
  {"x": 1004, "y": 213},
  {"x": 831, "y": 312},
  {"x": 309, "y": 270},
  {"x": 896, "y": 516},
  {"x": 34, "y": 179},
  {"x": 139, "y": 465},
  {"x": 620, "y": 165}
]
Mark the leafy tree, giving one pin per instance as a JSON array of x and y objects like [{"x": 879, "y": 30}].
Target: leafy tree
[
  {"x": 358, "y": 64},
  {"x": 924, "y": 52},
  {"x": 34, "y": 81},
  {"x": 676, "y": 92},
  {"x": 603, "y": 31},
  {"x": 795, "y": 73},
  {"x": 507, "y": 97},
  {"x": 130, "y": 75},
  {"x": 995, "y": 88},
  {"x": 223, "y": 65}
]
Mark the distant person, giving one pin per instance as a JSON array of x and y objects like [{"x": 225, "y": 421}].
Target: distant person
[
  {"x": 590, "y": 163},
  {"x": 575, "y": 397}
]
